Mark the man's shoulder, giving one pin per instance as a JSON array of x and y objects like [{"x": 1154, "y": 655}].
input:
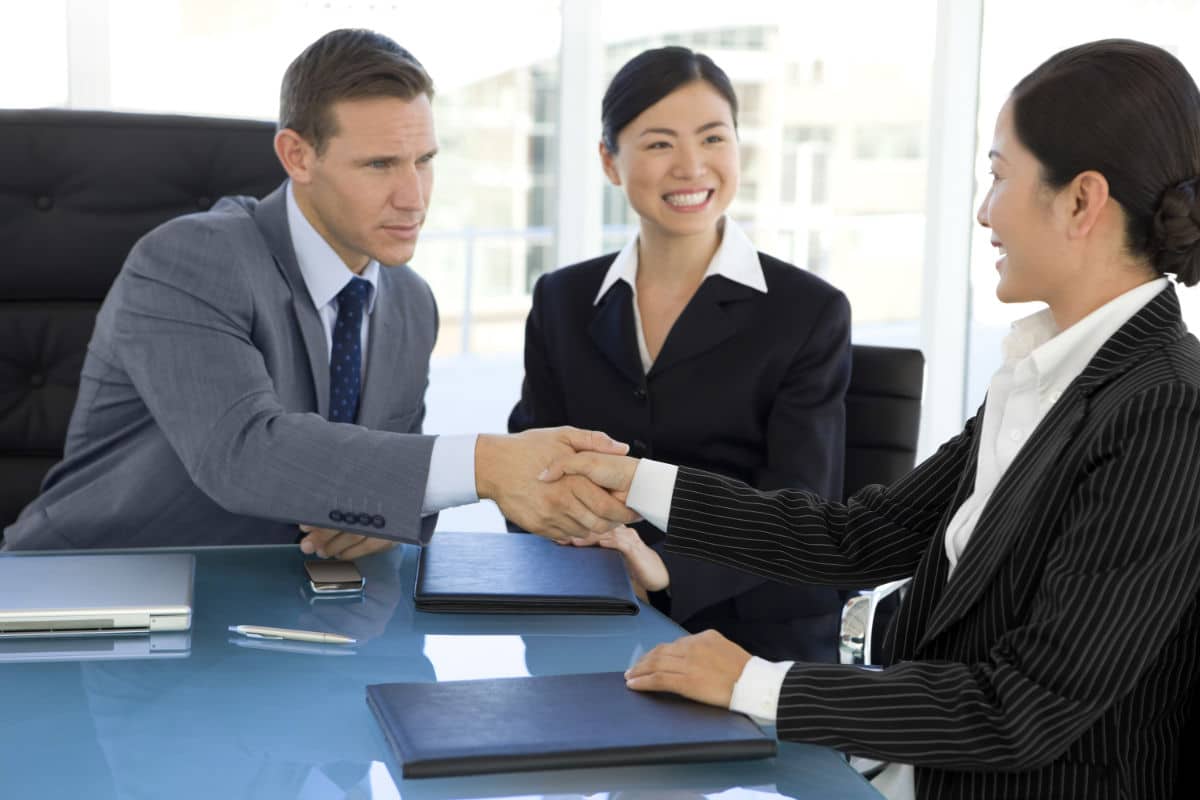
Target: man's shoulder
[
  {"x": 210, "y": 237},
  {"x": 403, "y": 280},
  {"x": 230, "y": 216}
]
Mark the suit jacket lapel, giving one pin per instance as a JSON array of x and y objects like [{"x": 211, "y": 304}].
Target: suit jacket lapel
[
  {"x": 713, "y": 315},
  {"x": 929, "y": 580},
  {"x": 271, "y": 218},
  {"x": 995, "y": 533},
  {"x": 386, "y": 338},
  {"x": 614, "y": 331}
]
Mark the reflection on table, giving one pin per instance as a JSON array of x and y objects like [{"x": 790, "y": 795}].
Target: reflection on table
[{"x": 230, "y": 717}]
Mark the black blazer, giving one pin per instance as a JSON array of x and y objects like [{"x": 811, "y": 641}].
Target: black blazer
[
  {"x": 1056, "y": 663},
  {"x": 747, "y": 384}
]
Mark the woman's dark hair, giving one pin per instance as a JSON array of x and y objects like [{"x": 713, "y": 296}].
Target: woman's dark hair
[
  {"x": 649, "y": 77},
  {"x": 345, "y": 64},
  {"x": 1131, "y": 112}
]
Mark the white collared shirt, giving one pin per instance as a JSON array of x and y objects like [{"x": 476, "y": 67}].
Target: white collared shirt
[
  {"x": 1040, "y": 363},
  {"x": 451, "y": 479},
  {"x": 325, "y": 274},
  {"x": 736, "y": 259}
]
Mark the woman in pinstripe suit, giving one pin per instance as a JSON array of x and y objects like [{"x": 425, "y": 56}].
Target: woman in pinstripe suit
[{"x": 1049, "y": 641}]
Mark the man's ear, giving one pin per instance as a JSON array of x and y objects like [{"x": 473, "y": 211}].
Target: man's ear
[
  {"x": 295, "y": 154},
  {"x": 606, "y": 162},
  {"x": 1086, "y": 199}
]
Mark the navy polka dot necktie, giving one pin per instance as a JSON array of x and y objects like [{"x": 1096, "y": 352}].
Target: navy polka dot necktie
[{"x": 345, "y": 364}]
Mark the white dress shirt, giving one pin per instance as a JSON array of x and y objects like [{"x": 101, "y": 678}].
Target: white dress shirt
[
  {"x": 736, "y": 259},
  {"x": 451, "y": 479},
  {"x": 1039, "y": 364}
]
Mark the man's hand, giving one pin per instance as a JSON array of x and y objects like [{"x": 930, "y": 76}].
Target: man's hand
[
  {"x": 507, "y": 469},
  {"x": 703, "y": 667},
  {"x": 330, "y": 543},
  {"x": 646, "y": 567},
  {"x": 613, "y": 472}
]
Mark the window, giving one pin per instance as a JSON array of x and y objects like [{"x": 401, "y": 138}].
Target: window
[
  {"x": 1167, "y": 23},
  {"x": 847, "y": 78}
]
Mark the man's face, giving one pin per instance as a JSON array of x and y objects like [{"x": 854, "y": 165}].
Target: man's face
[{"x": 368, "y": 191}]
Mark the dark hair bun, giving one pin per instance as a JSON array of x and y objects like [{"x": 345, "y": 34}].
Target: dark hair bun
[{"x": 1175, "y": 237}]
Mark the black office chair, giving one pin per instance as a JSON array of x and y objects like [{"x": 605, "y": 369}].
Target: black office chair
[
  {"x": 883, "y": 416},
  {"x": 77, "y": 189}
]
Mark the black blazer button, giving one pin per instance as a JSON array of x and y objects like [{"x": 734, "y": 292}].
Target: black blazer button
[
  {"x": 638, "y": 449},
  {"x": 335, "y": 515},
  {"x": 639, "y": 394},
  {"x": 364, "y": 519},
  {"x": 377, "y": 521},
  {"x": 44, "y": 202}
]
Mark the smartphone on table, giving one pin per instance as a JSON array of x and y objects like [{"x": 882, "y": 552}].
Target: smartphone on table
[{"x": 329, "y": 577}]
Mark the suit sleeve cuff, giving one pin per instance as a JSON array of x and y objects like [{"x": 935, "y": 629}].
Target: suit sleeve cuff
[
  {"x": 757, "y": 690},
  {"x": 651, "y": 490},
  {"x": 451, "y": 480}
]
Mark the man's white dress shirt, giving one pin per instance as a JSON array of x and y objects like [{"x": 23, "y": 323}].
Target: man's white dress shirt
[
  {"x": 1039, "y": 364},
  {"x": 451, "y": 479}
]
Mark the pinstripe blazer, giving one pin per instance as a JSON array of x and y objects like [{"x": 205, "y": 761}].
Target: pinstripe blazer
[{"x": 1057, "y": 661}]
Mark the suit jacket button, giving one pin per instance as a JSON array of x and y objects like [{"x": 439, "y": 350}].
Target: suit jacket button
[
  {"x": 638, "y": 449},
  {"x": 361, "y": 518},
  {"x": 335, "y": 515},
  {"x": 639, "y": 394},
  {"x": 377, "y": 521}
]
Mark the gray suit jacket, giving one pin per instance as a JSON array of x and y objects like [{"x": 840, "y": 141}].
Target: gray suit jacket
[{"x": 199, "y": 419}]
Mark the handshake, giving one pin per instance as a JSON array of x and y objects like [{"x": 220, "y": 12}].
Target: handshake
[
  {"x": 569, "y": 485},
  {"x": 564, "y": 483},
  {"x": 561, "y": 483}
]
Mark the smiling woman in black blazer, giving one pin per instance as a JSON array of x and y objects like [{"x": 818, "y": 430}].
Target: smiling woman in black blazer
[
  {"x": 695, "y": 348},
  {"x": 1048, "y": 646}
]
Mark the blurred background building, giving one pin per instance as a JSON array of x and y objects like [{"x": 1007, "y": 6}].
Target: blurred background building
[{"x": 862, "y": 129}]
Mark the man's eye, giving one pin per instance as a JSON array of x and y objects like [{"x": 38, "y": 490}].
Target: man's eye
[{"x": 377, "y": 164}]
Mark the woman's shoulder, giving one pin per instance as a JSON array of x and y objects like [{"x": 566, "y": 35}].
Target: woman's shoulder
[
  {"x": 789, "y": 282},
  {"x": 578, "y": 277}
]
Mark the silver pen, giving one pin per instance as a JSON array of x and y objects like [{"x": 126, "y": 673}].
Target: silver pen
[{"x": 263, "y": 632}]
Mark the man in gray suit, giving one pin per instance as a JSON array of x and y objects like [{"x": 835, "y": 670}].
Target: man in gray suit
[{"x": 258, "y": 367}]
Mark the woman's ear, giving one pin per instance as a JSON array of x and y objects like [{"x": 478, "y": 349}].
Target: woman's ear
[
  {"x": 608, "y": 164},
  {"x": 1087, "y": 200}
]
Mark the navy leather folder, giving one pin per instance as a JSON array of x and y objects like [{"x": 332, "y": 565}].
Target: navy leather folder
[
  {"x": 513, "y": 573},
  {"x": 552, "y": 722}
]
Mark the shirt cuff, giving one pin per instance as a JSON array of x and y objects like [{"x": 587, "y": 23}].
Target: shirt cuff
[
  {"x": 757, "y": 690},
  {"x": 451, "y": 480},
  {"x": 651, "y": 490}
]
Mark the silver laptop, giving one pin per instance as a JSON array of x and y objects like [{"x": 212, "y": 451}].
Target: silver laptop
[{"x": 102, "y": 594}]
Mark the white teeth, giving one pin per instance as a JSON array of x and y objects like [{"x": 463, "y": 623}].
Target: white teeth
[{"x": 688, "y": 199}]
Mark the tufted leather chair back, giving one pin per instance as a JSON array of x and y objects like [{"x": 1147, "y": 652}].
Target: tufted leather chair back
[
  {"x": 883, "y": 415},
  {"x": 77, "y": 189}
]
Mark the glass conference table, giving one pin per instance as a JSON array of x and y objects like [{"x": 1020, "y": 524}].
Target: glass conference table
[{"x": 212, "y": 714}]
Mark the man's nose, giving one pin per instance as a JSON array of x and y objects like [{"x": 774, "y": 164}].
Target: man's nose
[{"x": 407, "y": 190}]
